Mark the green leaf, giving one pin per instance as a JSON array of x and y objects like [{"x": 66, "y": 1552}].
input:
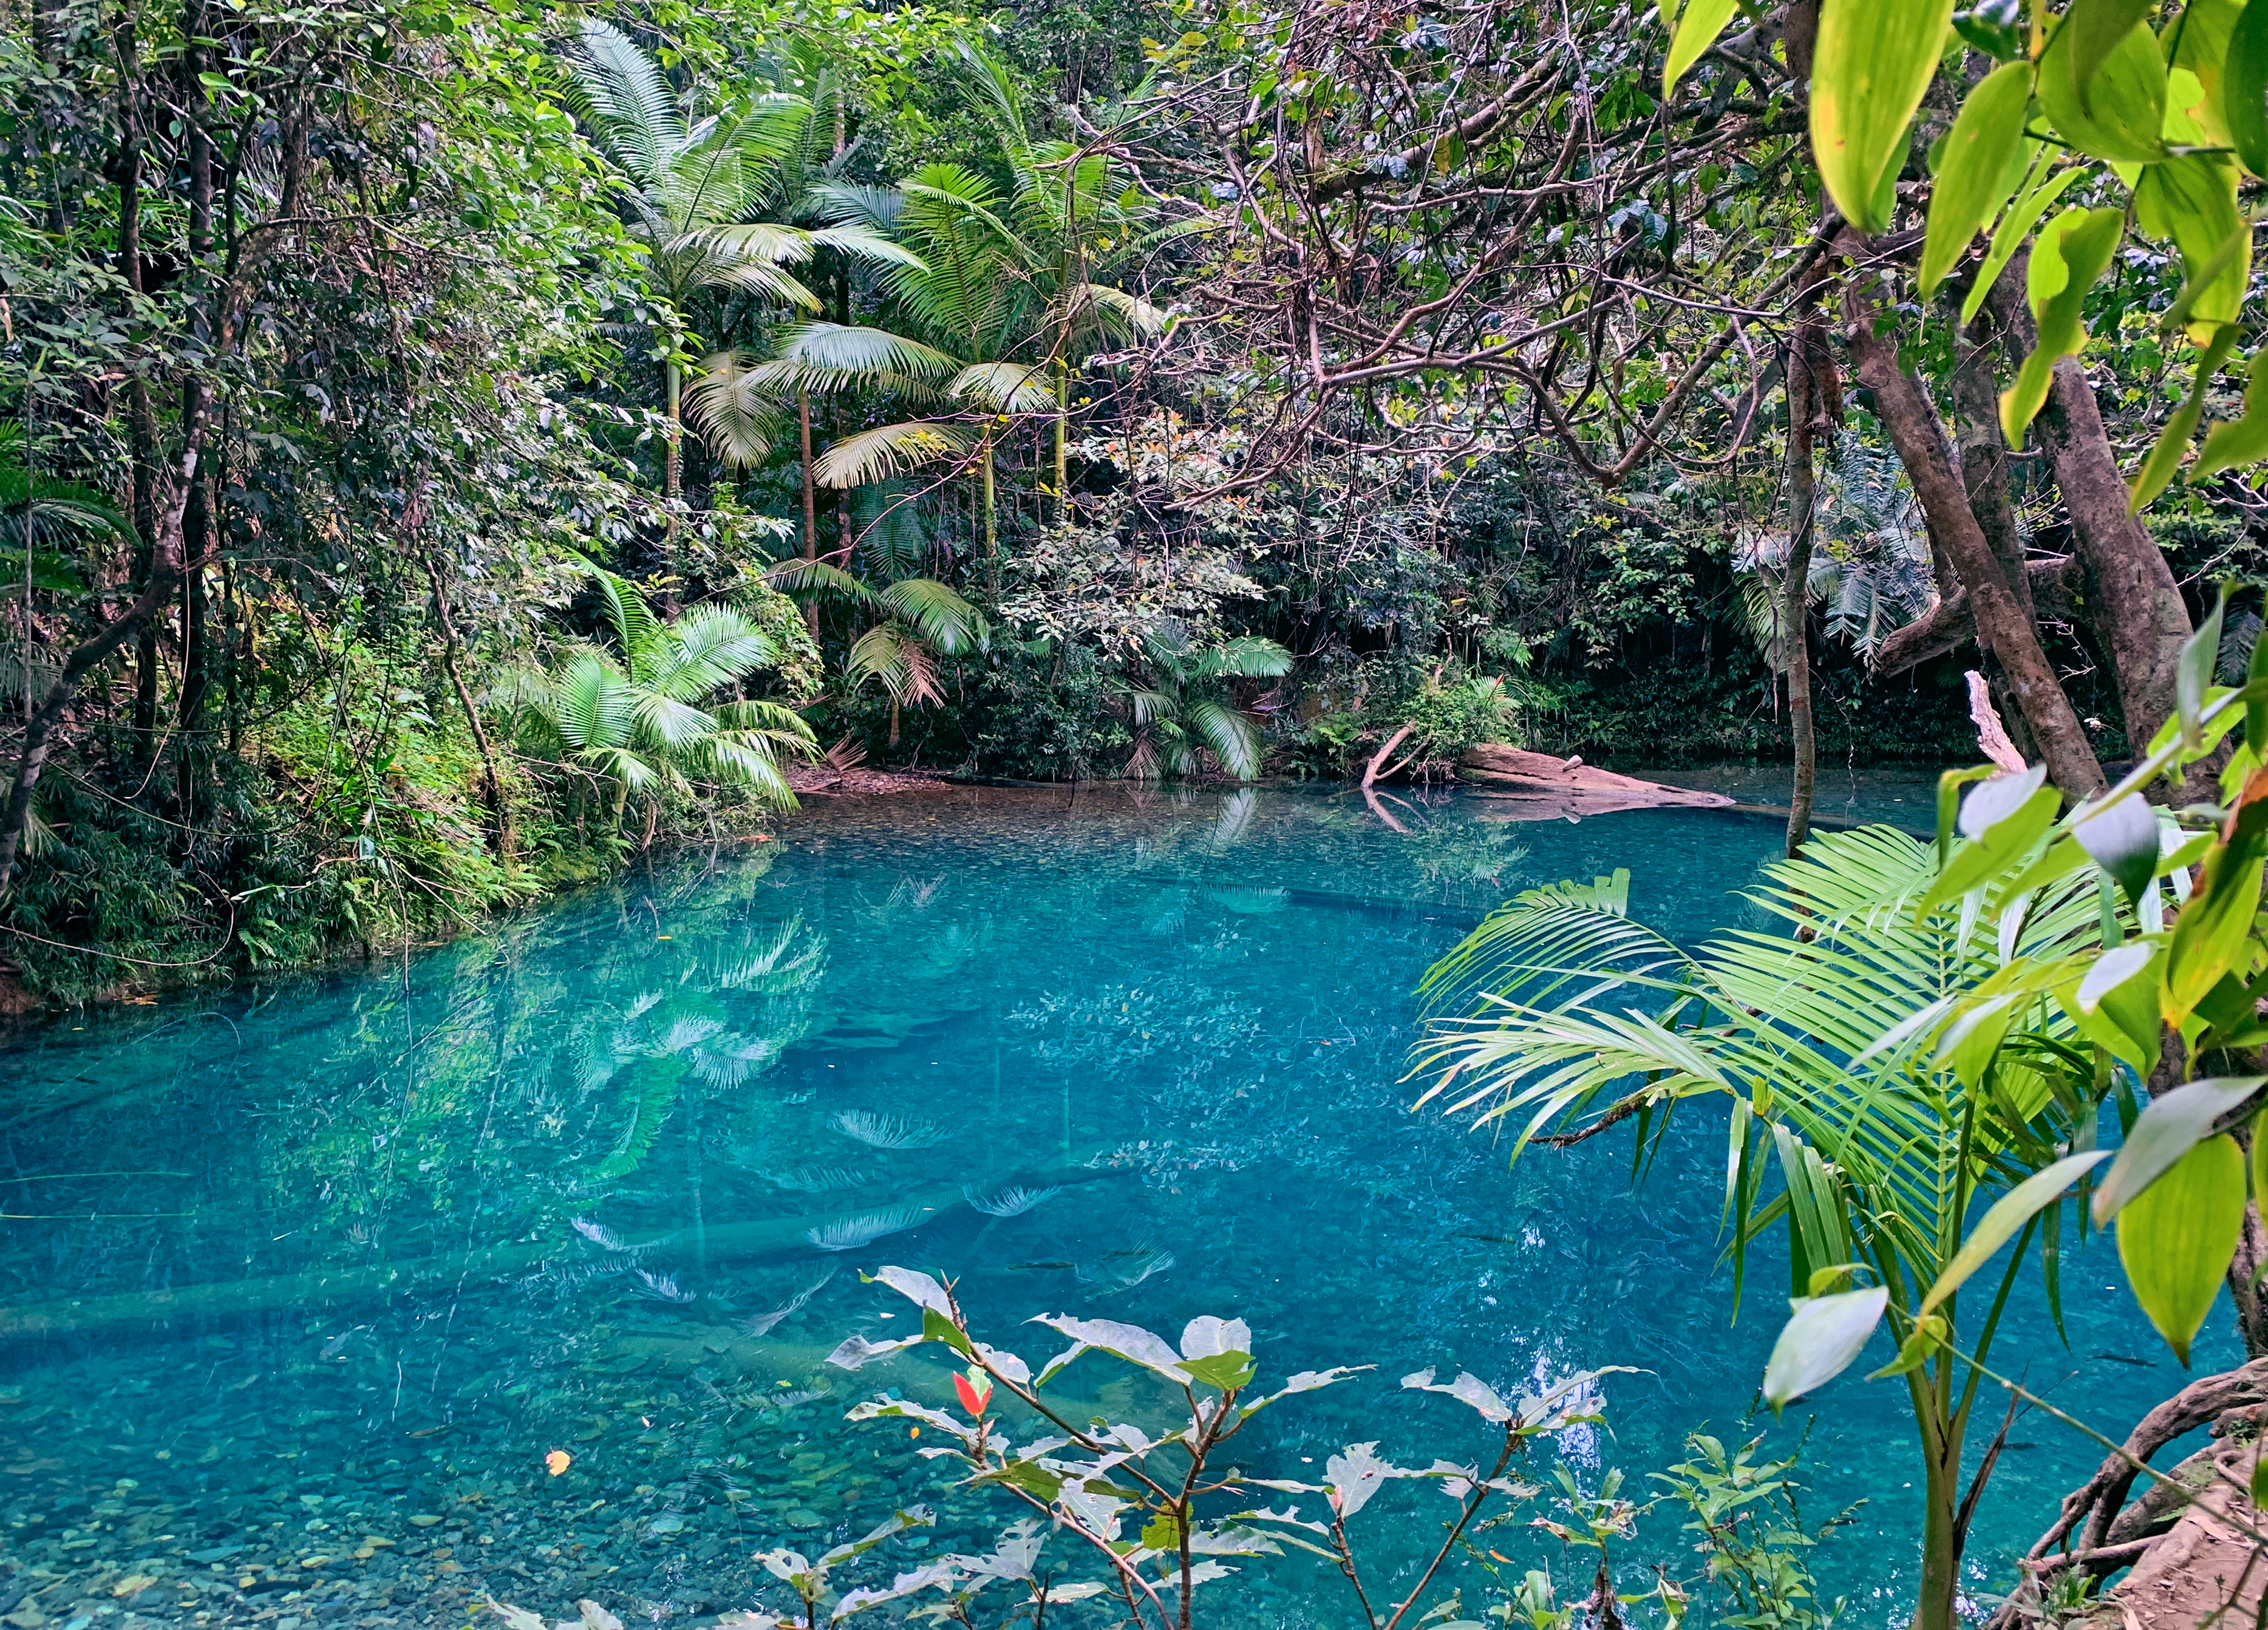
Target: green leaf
[
  {"x": 2194, "y": 672},
  {"x": 1162, "y": 1532},
  {"x": 2205, "y": 278},
  {"x": 2002, "y": 848},
  {"x": 1974, "y": 177},
  {"x": 2116, "y": 1005},
  {"x": 2192, "y": 200},
  {"x": 937, "y": 1327},
  {"x": 1822, "y": 1340},
  {"x": 2122, "y": 115},
  {"x": 1697, "y": 30},
  {"x": 2157, "y": 471},
  {"x": 2241, "y": 440},
  {"x": 2244, "y": 87},
  {"x": 2211, "y": 936},
  {"x": 2171, "y": 1125},
  {"x": 1971, "y": 1042},
  {"x": 2176, "y": 1239},
  {"x": 2015, "y": 1208},
  {"x": 1228, "y": 1371},
  {"x": 2039, "y": 193},
  {"x": 1928, "y": 1334},
  {"x": 1873, "y": 60},
  {"x": 2093, "y": 29},
  {"x": 2122, "y": 838},
  {"x": 2070, "y": 253},
  {"x": 1028, "y": 1475}
]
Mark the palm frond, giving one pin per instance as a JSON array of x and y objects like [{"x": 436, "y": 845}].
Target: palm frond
[
  {"x": 1005, "y": 387},
  {"x": 708, "y": 648},
  {"x": 631, "y": 105},
  {"x": 1246, "y": 657},
  {"x": 854, "y": 348},
  {"x": 32, "y": 504},
  {"x": 637, "y": 629},
  {"x": 890, "y": 450},
  {"x": 861, "y": 243},
  {"x": 843, "y": 202},
  {"x": 1114, "y": 311},
  {"x": 938, "y": 615},
  {"x": 1229, "y": 733},
  {"x": 730, "y": 407}
]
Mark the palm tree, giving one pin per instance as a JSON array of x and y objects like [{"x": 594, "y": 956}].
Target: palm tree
[
  {"x": 920, "y": 620},
  {"x": 637, "y": 720},
  {"x": 703, "y": 196},
  {"x": 1562, "y": 1011},
  {"x": 1069, "y": 213},
  {"x": 1870, "y": 570},
  {"x": 1000, "y": 287},
  {"x": 1185, "y": 711}
]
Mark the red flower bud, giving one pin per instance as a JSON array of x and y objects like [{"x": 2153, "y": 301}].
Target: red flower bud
[{"x": 975, "y": 1391}]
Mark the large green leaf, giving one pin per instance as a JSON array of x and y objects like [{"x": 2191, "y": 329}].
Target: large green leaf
[
  {"x": 2176, "y": 1239},
  {"x": 1977, "y": 174},
  {"x": 1999, "y": 1225},
  {"x": 1821, "y": 1339},
  {"x": 2070, "y": 253},
  {"x": 1872, "y": 62},
  {"x": 2043, "y": 184},
  {"x": 2172, "y": 1125},
  {"x": 2123, "y": 111},
  {"x": 2192, "y": 200},
  {"x": 2092, "y": 29},
  {"x": 1693, "y": 31},
  {"x": 2244, "y": 87},
  {"x": 2116, "y": 1005}
]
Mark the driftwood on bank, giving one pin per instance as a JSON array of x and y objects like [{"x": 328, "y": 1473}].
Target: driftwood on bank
[
  {"x": 771, "y": 1237},
  {"x": 1548, "y": 788}
]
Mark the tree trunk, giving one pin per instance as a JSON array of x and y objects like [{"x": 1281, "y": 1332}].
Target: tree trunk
[
  {"x": 491, "y": 789},
  {"x": 1911, "y": 419},
  {"x": 200, "y": 281},
  {"x": 810, "y": 508},
  {"x": 2140, "y": 621},
  {"x": 141, "y": 414},
  {"x": 1062, "y": 440},
  {"x": 38, "y": 730},
  {"x": 1936, "y": 1608},
  {"x": 1805, "y": 413},
  {"x": 1976, "y": 392},
  {"x": 671, "y": 470},
  {"x": 992, "y": 527}
]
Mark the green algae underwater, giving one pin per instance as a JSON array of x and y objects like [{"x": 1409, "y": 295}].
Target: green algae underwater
[{"x": 510, "y": 1268}]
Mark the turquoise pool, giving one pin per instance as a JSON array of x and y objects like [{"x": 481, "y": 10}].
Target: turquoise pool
[{"x": 301, "y": 1283}]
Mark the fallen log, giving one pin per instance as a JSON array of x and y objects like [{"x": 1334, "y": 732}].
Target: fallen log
[
  {"x": 1568, "y": 786},
  {"x": 772, "y": 1236}
]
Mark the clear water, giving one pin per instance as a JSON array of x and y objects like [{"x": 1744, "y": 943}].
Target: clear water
[{"x": 293, "y": 1270}]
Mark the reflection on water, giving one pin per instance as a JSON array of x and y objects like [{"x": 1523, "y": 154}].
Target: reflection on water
[{"x": 510, "y": 1268}]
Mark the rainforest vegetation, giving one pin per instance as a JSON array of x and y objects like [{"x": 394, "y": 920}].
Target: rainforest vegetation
[
  {"x": 453, "y": 449},
  {"x": 448, "y": 452}
]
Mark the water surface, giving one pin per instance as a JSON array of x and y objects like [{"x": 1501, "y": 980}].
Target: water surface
[{"x": 303, "y": 1282}]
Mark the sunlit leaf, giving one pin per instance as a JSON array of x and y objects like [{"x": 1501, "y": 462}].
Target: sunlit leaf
[
  {"x": 1822, "y": 1338},
  {"x": 1873, "y": 60},
  {"x": 2176, "y": 1239},
  {"x": 1974, "y": 177},
  {"x": 2008, "y": 1216},
  {"x": 2170, "y": 1126}
]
